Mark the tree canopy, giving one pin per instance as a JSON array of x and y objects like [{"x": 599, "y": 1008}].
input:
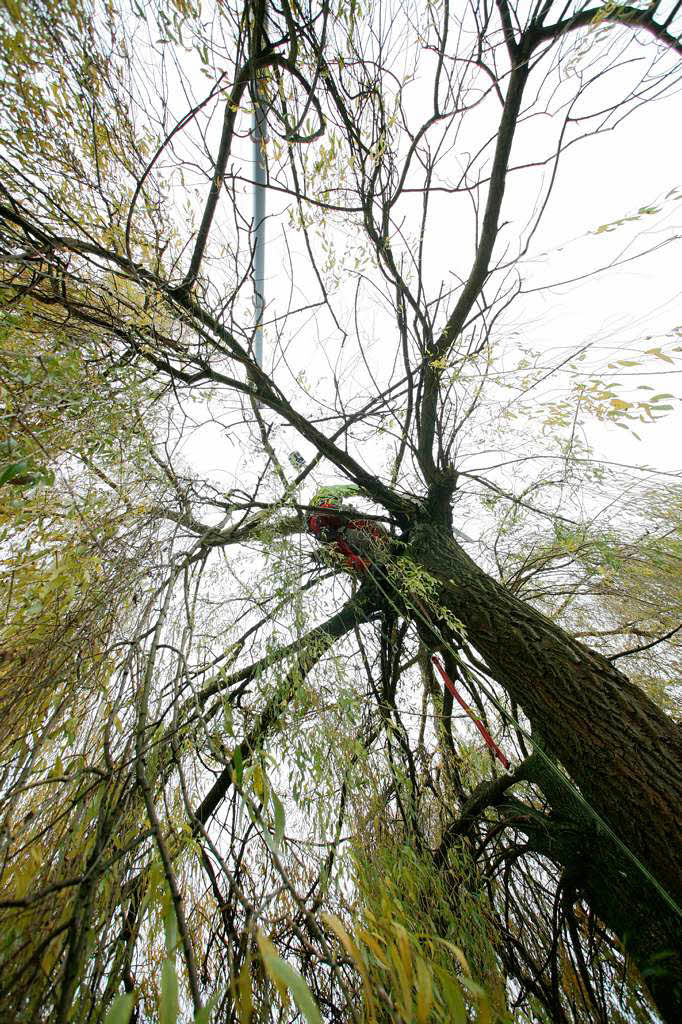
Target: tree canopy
[{"x": 246, "y": 775}]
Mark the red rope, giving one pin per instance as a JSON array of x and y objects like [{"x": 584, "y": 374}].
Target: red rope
[{"x": 479, "y": 725}]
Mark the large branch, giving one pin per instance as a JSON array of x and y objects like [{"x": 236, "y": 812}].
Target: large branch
[
  {"x": 312, "y": 647},
  {"x": 479, "y": 269},
  {"x": 356, "y": 611},
  {"x": 261, "y": 526},
  {"x": 257, "y": 382},
  {"x": 520, "y": 52},
  {"x": 595, "y": 869},
  {"x": 246, "y": 74},
  {"x": 620, "y": 14}
]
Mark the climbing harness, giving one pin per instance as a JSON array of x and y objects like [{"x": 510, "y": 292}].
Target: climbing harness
[{"x": 360, "y": 542}]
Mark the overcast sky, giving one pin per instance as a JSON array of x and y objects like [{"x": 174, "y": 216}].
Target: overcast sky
[{"x": 620, "y": 313}]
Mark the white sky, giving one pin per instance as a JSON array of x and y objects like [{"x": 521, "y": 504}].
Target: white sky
[{"x": 600, "y": 180}]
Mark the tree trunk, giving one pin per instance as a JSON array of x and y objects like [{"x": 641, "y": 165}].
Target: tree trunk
[{"x": 620, "y": 749}]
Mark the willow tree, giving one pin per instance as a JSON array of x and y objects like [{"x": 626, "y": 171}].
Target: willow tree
[{"x": 222, "y": 710}]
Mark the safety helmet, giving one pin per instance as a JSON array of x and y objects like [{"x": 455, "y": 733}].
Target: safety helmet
[{"x": 326, "y": 500}]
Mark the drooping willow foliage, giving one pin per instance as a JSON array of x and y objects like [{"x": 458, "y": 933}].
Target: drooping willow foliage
[{"x": 232, "y": 787}]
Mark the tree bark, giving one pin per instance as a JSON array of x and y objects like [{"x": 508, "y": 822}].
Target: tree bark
[{"x": 620, "y": 749}]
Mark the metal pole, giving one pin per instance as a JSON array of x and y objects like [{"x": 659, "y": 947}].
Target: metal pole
[{"x": 259, "y": 136}]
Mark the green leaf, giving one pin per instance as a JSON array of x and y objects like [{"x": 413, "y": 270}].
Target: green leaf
[
  {"x": 120, "y": 1010},
  {"x": 14, "y": 469},
  {"x": 203, "y": 1016},
  {"x": 170, "y": 926},
  {"x": 283, "y": 973},
  {"x": 452, "y": 997},
  {"x": 227, "y": 718},
  {"x": 238, "y": 762},
  {"x": 279, "y": 819},
  {"x": 424, "y": 987},
  {"x": 168, "y": 1007}
]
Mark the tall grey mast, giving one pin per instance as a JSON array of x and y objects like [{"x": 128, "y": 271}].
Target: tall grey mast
[{"x": 258, "y": 137}]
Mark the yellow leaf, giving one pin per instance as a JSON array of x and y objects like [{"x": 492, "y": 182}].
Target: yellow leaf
[
  {"x": 404, "y": 947},
  {"x": 370, "y": 941},
  {"x": 424, "y": 991},
  {"x": 23, "y": 877},
  {"x": 258, "y": 780},
  {"x": 269, "y": 954},
  {"x": 344, "y": 938},
  {"x": 459, "y": 955},
  {"x": 659, "y": 355},
  {"x": 244, "y": 995},
  {"x": 405, "y": 973},
  {"x": 49, "y": 957}
]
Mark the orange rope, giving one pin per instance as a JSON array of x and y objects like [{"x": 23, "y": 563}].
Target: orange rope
[{"x": 479, "y": 725}]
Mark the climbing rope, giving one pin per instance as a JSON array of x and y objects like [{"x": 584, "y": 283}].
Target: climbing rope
[{"x": 490, "y": 742}]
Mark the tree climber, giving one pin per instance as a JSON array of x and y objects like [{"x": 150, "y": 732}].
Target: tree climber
[{"x": 359, "y": 541}]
